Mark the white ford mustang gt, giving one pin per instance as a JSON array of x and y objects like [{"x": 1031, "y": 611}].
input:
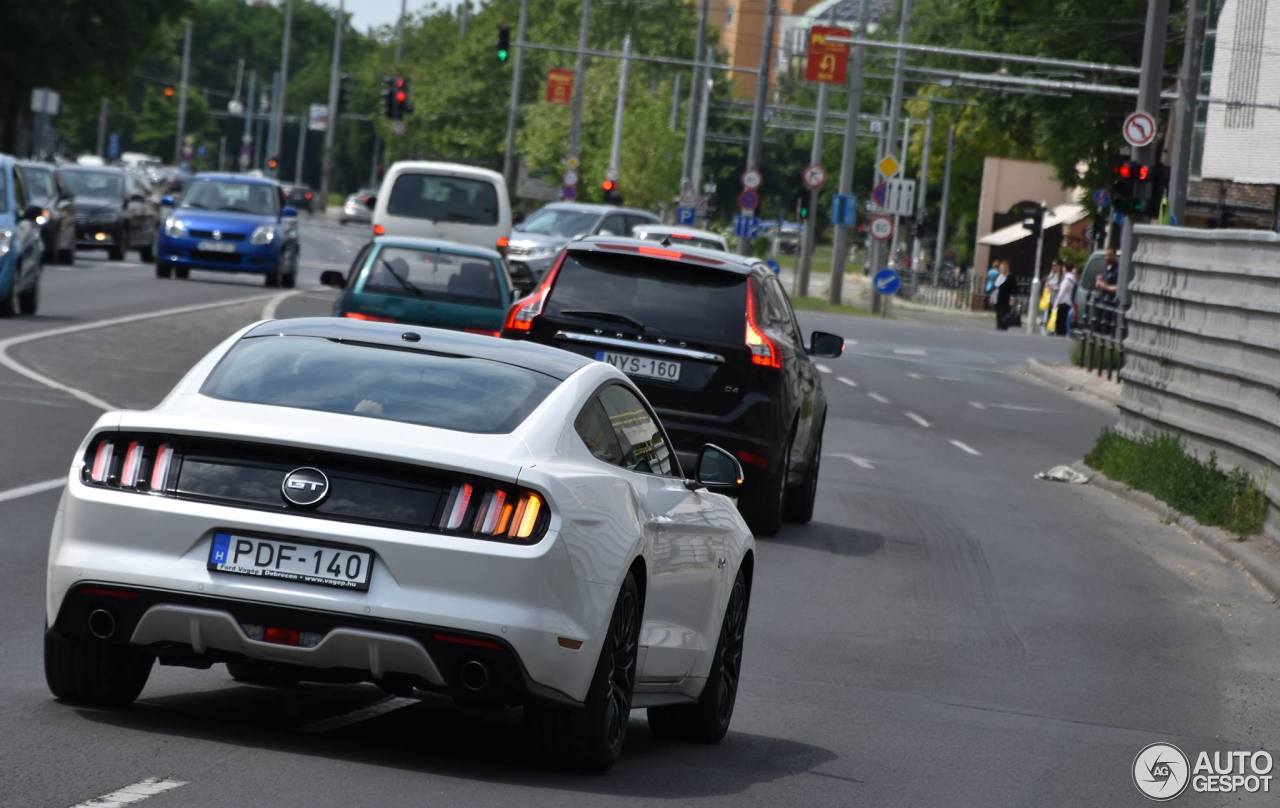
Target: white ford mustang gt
[{"x": 335, "y": 500}]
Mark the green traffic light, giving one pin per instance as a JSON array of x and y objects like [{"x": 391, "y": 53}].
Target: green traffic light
[{"x": 503, "y": 54}]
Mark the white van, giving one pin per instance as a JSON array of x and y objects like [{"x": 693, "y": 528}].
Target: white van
[{"x": 445, "y": 201}]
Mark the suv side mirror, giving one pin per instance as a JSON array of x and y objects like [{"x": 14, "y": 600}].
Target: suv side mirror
[
  {"x": 823, "y": 344},
  {"x": 33, "y": 213},
  {"x": 718, "y": 471},
  {"x": 334, "y": 278},
  {"x": 371, "y": 202}
]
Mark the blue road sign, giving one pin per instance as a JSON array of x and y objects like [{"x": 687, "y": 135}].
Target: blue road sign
[
  {"x": 1119, "y": 217},
  {"x": 745, "y": 226},
  {"x": 113, "y": 145},
  {"x": 748, "y": 200},
  {"x": 1101, "y": 198},
  {"x": 844, "y": 210},
  {"x": 775, "y": 266},
  {"x": 880, "y": 194},
  {"x": 887, "y": 281},
  {"x": 686, "y": 215},
  {"x": 569, "y": 193}
]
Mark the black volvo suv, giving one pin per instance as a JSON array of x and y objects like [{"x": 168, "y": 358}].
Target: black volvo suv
[{"x": 712, "y": 341}]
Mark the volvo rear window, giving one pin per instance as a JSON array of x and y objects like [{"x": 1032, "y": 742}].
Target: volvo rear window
[
  {"x": 657, "y": 297},
  {"x": 414, "y": 387},
  {"x": 442, "y": 198}
]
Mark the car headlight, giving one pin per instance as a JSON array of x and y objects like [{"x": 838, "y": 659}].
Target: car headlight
[
  {"x": 44, "y": 216},
  {"x": 105, "y": 217},
  {"x": 265, "y": 234},
  {"x": 540, "y": 251},
  {"x": 6, "y": 240},
  {"x": 175, "y": 227}
]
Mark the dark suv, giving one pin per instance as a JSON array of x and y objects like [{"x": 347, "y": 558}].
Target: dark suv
[{"x": 712, "y": 341}]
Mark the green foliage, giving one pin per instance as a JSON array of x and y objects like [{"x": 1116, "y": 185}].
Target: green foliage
[
  {"x": 1160, "y": 465},
  {"x": 1075, "y": 256}
]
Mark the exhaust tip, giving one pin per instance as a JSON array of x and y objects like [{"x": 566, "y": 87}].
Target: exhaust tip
[
  {"x": 474, "y": 675},
  {"x": 102, "y": 624}
]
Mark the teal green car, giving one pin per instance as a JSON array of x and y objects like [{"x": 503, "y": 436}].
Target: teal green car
[{"x": 424, "y": 282}]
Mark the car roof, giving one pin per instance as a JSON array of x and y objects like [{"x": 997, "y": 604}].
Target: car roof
[
  {"x": 240, "y": 178},
  {"x": 659, "y": 228},
  {"x": 543, "y": 359},
  {"x": 34, "y": 164},
  {"x": 719, "y": 259},
  {"x": 438, "y": 245},
  {"x": 456, "y": 168},
  {"x": 595, "y": 207},
  {"x": 76, "y": 167}
]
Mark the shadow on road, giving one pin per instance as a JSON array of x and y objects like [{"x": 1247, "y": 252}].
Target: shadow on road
[
  {"x": 836, "y": 539},
  {"x": 436, "y": 737}
]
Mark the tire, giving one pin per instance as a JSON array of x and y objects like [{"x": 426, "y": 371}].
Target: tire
[
  {"x": 590, "y": 738},
  {"x": 147, "y": 253},
  {"x": 272, "y": 279},
  {"x": 9, "y": 304},
  {"x": 29, "y": 300},
  {"x": 289, "y": 280},
  {"x": 763, "y": 509},
  {"x": 265, "y": 674},
  {"x": 163, "y": 271},
  {"x": 115, "y": 253},
  {"x": 181, "y": 273},
  {"x": 799, "y": 501},
  {"x": 86, "y": 670},
  {"x": 707, "y": 720}
]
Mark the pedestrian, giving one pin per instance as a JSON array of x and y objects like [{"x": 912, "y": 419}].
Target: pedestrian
[
  {"x": 1002, "y": 296},
  {"x": 1050, "y": 293},
  {"x": 1064, "y": 302},
  {"x": 1105, "y": 286},
  {"x": 993, "y": 272}
]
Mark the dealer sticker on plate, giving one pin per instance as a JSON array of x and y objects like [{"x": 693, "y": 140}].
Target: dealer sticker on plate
[{"x": 326, "y": 565}]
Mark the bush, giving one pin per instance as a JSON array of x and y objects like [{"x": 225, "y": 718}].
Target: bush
[{"x": 1160, "y": 465}]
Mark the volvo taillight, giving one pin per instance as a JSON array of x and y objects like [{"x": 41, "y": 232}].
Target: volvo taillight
[
  {"x": 495, "y": 512},
  {"x": 764, "y": 351},
  {"x": 524, "y": 311}
]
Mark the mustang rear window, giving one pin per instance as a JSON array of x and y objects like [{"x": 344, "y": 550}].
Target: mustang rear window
[{"x": 414, "y": 387}]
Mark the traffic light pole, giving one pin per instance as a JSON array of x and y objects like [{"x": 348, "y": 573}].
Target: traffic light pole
[
  {"x": 922, "y": 189},
  {"x": 615, "y": 147},
  {"x": 840, "y": 239},
  {"x": 277, "y": 120},
  {"x": 513, "y": 114},
  {"x": 327, "y": 159},
  {"x": 695, "y": 98},
  {"x": 1148, "y": 101},
  {"x": 182, "y": 94},
  {"x": 811, "y": 221},
  {"x": 754, "y": 145},
  {"x": 939, "y": 249},
  {"x": 891, "y": 138},
  {"x": 1185, "y": 113},
  {"x": 1033, "y": 298},
  {"x": 700, "y": 137},
  {"x": 579, "y": 79}
]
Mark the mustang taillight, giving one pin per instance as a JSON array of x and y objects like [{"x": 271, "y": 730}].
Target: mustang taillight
[
  {"x": 494, "y": 512},
  {"x": 137, "y": 463}
]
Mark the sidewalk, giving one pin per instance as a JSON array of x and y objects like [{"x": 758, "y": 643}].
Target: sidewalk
[{"x": 1072, "y": 378}]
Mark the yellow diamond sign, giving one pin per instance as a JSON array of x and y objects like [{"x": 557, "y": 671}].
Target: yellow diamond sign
[{"x": 887, "y": 165}]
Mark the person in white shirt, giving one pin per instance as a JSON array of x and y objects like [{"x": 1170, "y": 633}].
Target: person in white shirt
[{"x": 1064, "y": 300}]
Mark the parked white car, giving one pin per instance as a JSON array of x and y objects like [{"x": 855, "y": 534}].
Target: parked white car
[
  {"x": 444, "y": 201},
  {"x": 428, "y": 510},
  {"x": 681, "y": 236}
]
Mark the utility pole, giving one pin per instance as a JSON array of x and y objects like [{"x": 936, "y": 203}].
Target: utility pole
[
  {"x": 102, "y": 127},
  {"x": 513, "y": 114},
  {"x": 1184, "y": 116},
  {"x": 675, "y": 110},
  {"x": 811, "y": 222},
  {"x": 182, "y": 93},
  {"x": 1148, "y": 101},
  {"x": 373, "y": 161},
  {"x": 283, "y": 85},
  {"x": 757, "y": 113},
  {"x": 695, "y": 98},
  {"x": 250, "y": 110},
  {"x": 335, "y": 82},
  {"x": 891, "y": 137},
  {"x": 302, "y": 149},
  {"x": 615, "y": 148},
  {"x": 579, "y": 79},
  {"x": 464, "y": 18},
  {"x": 273, "y": 135},
  {"x": 840, "y": 242},
  {"x": 399, "y": 35},
  {"x": 922, "y": 191},
  {"x": 941, "y": 245},
  {"x": 700, "y": 137},
  {"x": 904, "y": 145},
  {"x": 1033, "y": 298},
  {"x": 239, "y": 77}
]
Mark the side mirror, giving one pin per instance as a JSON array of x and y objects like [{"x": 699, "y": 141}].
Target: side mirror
[
  {"x": 718, "y": 470},
  {"x": 334, "y": 278},
  {"x": 33, "y": 213},
  {"x": 289, "y": 212},
  {"x": 167, "y": 201},
  {"x": 823, "y": 344},
  {"x": 371, "y": 202}
]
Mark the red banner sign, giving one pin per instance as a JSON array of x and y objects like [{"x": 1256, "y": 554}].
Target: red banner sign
[
  {"x": 828, "y": 61},
  {"x": 559, "y": 86}
]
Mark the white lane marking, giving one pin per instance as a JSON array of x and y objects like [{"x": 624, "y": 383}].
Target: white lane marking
[
  {"x": 846, "y": 380},
  {"x": 910, "y": 352},
  {"x": 922, "y": 422},
  {"x": 920, "y": 376},
  {"x": 269, "y": 310},
  {"x": 75, "y": 392},
  {"x": 821, "y": 367},
  {"x": 860, "y": 462},
  {"x": 878, "y": 397},
  {"x": 387, "y": 705},
  {"x": 964, "y": 447},
  {"x": 32, "y": 488},
  {"x": 980, "y": 405},
  {"x": 132, "y": 794}
]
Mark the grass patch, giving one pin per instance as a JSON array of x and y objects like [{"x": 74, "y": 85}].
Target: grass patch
[
  {"x": 1160, "y": 465},
  {"x": 821, "y": 305}
]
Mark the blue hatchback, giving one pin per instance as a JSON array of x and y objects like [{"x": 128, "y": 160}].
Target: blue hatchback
[{"x": 230, "y": 223}]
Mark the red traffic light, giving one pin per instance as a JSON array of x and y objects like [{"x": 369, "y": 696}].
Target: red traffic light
[
  {"x": 273, "y": 163},
  {"x": 168, "y": 91},
  {"x": 608, "y": 185},
  {"x": 1144, "y": 172},
  {"x": 1124, "y": 171},
  {"x": 401, "y": 96},
  {"x": 399, "y": 82}
]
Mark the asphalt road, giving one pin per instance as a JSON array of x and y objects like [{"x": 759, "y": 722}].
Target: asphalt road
[{"x": 948, "y": 631}]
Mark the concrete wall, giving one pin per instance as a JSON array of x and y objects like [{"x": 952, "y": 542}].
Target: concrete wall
[
  {"x": 1005, "y": 183},
  {"x": 1202, "y": 357}
]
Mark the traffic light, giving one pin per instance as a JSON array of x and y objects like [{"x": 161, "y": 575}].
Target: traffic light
[
  {"x": 395, "y": 97},
  {"x": 168, "y": 91},
  {"x": 504, "y": 43},
  {"x": 388, "y": 100},
  {"x": 1137, "y": 187},
  {"x": 919, "y": 228},
  {"x": 342, "y": 93},
  {"x": 1033, "y": 220},
  {"x": 1122, "y": 182},
  {"x": 612, "y": 195},
  {"x": 802, "y": 206},
  {"x": 273, "y": 163}
]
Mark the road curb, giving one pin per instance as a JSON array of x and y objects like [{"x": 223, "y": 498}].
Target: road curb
[
  {"x": 1055, "y": 377},
  {"x": 1248, "y": 553}
]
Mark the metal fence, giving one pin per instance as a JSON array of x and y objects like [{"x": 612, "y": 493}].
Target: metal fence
[
  {"x": 1098, "y": 348},
  {"x": 952, "y": 290}
]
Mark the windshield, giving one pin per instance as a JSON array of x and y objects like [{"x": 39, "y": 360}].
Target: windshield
[
  {"x": 441, "y": 198},
  {"x": 236, "y": 197},
  {"x": 445, "y": 276},
  {"x": 559, "y": 222},
  {"x": 95, "y": 183},
  {"x": 658, "y": 295},
  {"x": 413, "y": 387},
  {"x": 39, "y": 181}
]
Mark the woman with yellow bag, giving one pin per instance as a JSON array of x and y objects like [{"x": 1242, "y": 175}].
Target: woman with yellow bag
[{"x": 1050, "y": 294}]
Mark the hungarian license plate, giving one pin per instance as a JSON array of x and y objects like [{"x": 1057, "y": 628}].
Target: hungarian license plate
[
  {"x": 216, "y": 246},
  {"x": 645, "y": 366},
  {"x": 326, "y": 565}
]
